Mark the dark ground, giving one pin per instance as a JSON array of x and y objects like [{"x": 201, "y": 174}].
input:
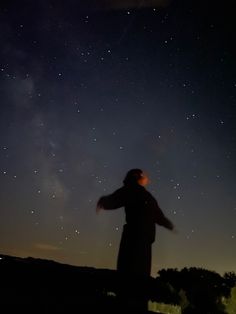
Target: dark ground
[{"x": 43, "y": 286}]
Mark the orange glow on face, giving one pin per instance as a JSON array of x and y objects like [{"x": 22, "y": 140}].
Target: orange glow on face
[{"x": 144, "y": 180}]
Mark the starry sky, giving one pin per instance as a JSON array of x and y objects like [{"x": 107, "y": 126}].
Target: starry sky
[{"x": 91, "y": 89}]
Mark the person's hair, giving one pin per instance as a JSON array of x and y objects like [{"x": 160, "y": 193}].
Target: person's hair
[{"x": 132, "y": 176}]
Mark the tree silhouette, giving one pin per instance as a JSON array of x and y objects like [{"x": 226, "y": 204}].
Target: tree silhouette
[
  {"x": 230, "y": 279},
  {"x": 203, "y": 289}
]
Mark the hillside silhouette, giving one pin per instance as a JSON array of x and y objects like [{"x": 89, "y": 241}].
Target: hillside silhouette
[
  {"x": 44, "y": 286},
  {"x": 34, "y": 285}
]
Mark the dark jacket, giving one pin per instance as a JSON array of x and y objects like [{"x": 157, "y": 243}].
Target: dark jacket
[{"x": 141, "y": 209}]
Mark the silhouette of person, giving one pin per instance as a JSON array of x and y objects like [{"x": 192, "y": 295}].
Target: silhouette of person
[{"x": 142, "y": 213}]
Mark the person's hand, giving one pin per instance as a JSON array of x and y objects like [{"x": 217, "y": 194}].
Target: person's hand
[
  {"x": 174, "y": 230},
  {"x": 98, "y": 209}
]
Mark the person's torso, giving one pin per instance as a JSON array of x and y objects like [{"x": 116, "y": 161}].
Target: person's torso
[{"x": 139, "y": 212}]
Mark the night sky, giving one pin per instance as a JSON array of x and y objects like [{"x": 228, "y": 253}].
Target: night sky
[{"x": 91, "y": 89}]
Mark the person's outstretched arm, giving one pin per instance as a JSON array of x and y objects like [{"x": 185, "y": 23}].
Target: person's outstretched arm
[
  {"x": 112, "y": 201},
  {"x": 160, "y": 218}
]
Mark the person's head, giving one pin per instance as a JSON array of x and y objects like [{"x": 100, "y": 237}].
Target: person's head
[{"x": 136, "y": 176}]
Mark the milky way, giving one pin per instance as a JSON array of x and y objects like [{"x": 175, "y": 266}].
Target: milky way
[{"x": 91, "y": 91}]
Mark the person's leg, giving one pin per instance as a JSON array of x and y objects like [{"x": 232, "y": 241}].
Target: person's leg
[
  {"x": 124, "y": 261},
  {"x": 134, "y": 267},
  {"x": 143, "y": 271}
]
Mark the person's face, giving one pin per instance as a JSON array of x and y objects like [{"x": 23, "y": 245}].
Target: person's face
[{"x": 144, "y": 180}]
